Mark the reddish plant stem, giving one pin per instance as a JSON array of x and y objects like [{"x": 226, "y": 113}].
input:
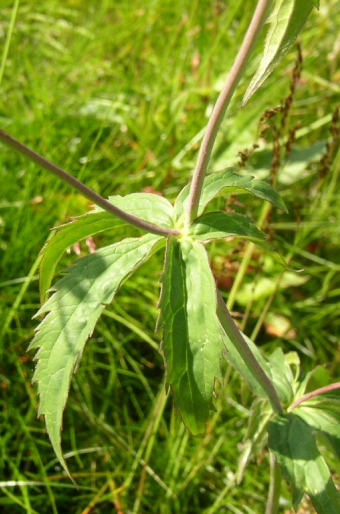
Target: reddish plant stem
[
  {"x": 307, "y": 396},
  {"x": 86, "y": 191},
  {"x": 221, "y": 106}
]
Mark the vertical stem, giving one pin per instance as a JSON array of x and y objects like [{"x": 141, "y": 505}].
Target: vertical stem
[
  {"x": 274, "y": 487},
  {"x": 221, "y": 107},
  {"x": 243, "y": 349}
]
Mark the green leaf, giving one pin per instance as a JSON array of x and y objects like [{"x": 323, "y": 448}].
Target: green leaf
[
  {"x": 220, "y": 224},
  {"x": 275, "y": 367},
  {"x": 149, "y": 207},
  {"x": 79, "y": 299},
  {"x": 286, "y": 22},
  {"x": 192, "y": 336},
  {"x": 227, "y": 181},
  {"x": 233, "y": 357},
  {"x": 318, "y": 377},
  {"x": 281, "y": 375},
  {"x": 293, "y": 442},
  {"x": 323, "y": 414},
  {"x": 66, "y": 236}
]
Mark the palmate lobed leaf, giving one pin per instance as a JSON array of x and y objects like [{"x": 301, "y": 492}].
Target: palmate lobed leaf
[
  {"x": 192, "y": 335},
  {"x": 285, "y": 23},
  {"x": 293, "y": 442},
  {"x": 72, "y": 312},
  {"x": 149, "y": 207},
  {"x": 227, "y": 181}
]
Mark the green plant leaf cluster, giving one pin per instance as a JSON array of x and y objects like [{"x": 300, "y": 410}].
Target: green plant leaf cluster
[
  {"x": 117, "y": 123},
  {"x": 193, "y": 338},
  {"x": 197, "y": 333},
  {"x": 294, "y": 437}
]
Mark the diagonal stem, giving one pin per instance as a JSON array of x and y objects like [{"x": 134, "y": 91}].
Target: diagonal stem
[
  {"x": 243, "y": 349},
  {"x": 221, "y": 106},
  {"x": 86, "y": 191},
  {"x": 308, "y": 396}
]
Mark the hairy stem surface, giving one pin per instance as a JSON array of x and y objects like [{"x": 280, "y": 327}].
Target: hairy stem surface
[
  {"x": 221, "y": 105},
  {"x": 86, "y": 191}
]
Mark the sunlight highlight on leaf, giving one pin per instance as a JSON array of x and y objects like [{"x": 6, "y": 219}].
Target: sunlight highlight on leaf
[{"x": 149, "y": 207}]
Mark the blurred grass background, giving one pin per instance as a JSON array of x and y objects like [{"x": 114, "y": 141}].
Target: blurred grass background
[{"x": 118, "y": 93}]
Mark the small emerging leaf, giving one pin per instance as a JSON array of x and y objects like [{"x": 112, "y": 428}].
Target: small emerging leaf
[
  {"x": 286, "y": 22},
  {"x": 228, "y": 182},
  {"x": 192, "y": 336},
  {"x": 293, "y": 442},
  {"x": 72, "y": 312}
]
